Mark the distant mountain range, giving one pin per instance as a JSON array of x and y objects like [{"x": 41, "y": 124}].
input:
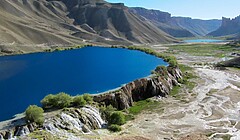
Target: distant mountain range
[
  {"x": 75, "y": 21},
  {"x": 229, "y": 28},
  {"x": 98, "y": 22},
  {"x": 178, "y": 26}
]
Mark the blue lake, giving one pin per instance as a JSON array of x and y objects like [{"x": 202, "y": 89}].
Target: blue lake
[
  {"x": 26, "y": 79},
  {"x": 203, "y": 41}
]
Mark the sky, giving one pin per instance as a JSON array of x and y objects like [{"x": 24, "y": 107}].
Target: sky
[{"x": 201, "y": 9}]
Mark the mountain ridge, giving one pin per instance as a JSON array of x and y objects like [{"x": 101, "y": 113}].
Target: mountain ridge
[
  {"x": 178, "y": 26},
  {"x": 74, "y": 22}
]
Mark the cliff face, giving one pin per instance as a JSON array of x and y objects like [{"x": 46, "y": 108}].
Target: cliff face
[
  {"x": 141, "y": 89},
  {"x": 229, "y": 27},
  {"x": 162, "y": 20},
  {"x": 197, "y": 27},
  {"x": 151, "y": 14},
  {"x": 178, "y": 26}
]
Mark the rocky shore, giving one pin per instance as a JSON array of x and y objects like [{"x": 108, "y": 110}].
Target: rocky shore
[
  {"x": 84, "y": 120},
  {"x": 142, "y": 89}
]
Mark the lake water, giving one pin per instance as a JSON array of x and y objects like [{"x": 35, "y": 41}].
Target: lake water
[
  {"x": 203, "y": 41},
  {"x": 26, "y": 79}
]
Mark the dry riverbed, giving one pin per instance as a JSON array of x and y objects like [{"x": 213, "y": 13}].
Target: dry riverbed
[{"x": 210, "y": 111}]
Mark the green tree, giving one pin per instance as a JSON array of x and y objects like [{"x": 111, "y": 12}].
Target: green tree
[
  {"x": 34, "y": 114},
  {"x": 117, "y": 117},
  {"x": 79, "y": 101}
]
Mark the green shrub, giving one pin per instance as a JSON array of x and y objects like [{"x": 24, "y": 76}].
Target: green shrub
[
  {"x": 59, "y": 100},
  {"x": 114, "y": 128},
  {"x": 79, "y": 101},
  {"x": 34, "y": 114},
  {"x": 48, "y": 101},
  {"x": 161, "y": 71},
  {"x": 117, "y": 117},
  {"x": 62, "y": 100},
  {"x": 88, "y": 98},
  {"x": 107, "y": 111},
  {"x": 173, "y": 62}
]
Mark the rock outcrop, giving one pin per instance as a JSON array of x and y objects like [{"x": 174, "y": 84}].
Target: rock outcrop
[
  {"x": 235, "y": 62},
  {"x": 229, "y": 27},
  {"x": 17, "y": 131},
  {"x": 141, "y": 89},
  {"x": 76, "y": 120}
]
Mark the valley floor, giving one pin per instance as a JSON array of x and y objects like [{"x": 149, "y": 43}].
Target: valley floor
[{"x": 210, "y": 111}]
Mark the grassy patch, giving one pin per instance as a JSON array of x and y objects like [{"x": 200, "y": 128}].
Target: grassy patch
[
  {"x": 185, "y": 68},
  {"x": 209, "y": 134},
  {"x": 226, "y": 137},
  {"x": 212, "y": 91},
  {"x": 216, "y": 50},
  {"x": 187, "y": 82},
  {"x": 234, "y": 68},
  {"x": 146, "y": 105},
  {"x": 174, "y": 92},
  {"x": 42, "y": 135}
]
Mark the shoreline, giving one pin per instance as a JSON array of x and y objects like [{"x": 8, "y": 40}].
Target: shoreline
[
  {"x": 16, "y": 117},
  {"x": 65, "y": 47}
]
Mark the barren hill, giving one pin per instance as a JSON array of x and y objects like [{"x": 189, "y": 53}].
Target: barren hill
[{"x": 74, "y": 22}]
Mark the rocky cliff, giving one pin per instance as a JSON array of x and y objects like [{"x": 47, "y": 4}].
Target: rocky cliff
[
  {"x": 178, "y": 26},
  {"x": 161, "y": 20},
  {"x": 141, "y": 89},
  {"x": 229, "y": 27}
]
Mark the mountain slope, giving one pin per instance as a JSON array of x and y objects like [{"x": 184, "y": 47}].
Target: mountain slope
[
  {"x": 229, "y": 27},
  {"x": 74, "y": 22},
  {"x": 32, "y": 21},
  {"x": 161, "y": 20},
  {"x": 178, "y": 26},
  {"x": 115, "y": 21},
  {"x": 197, "y": 27}
]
